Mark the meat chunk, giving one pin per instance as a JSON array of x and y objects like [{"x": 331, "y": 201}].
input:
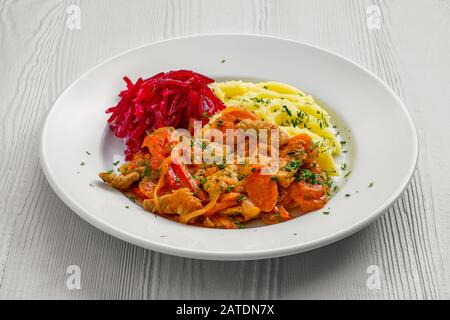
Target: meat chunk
[
  {"x": 181, "y": 201},
  {"x": 119, "y": 182}
]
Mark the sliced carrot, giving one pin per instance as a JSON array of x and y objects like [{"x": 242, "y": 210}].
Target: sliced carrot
[{"x": 239, "y": 112}]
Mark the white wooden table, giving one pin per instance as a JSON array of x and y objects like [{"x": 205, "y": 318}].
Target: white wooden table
[{"x": 42, "y": 52}]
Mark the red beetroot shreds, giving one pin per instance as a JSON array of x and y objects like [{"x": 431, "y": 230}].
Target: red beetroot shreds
[{"x": 167, "y": 99}]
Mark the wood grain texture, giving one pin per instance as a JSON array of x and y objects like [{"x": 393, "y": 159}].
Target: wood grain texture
[{"x": 40, "y": 237}]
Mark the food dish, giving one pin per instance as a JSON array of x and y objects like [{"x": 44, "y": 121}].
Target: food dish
[
  {"x": 381, "y": 144},
  {"x": 242, "y": 129}
]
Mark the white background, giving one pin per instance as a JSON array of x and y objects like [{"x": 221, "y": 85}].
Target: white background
[{"x": 40, "y": 237}]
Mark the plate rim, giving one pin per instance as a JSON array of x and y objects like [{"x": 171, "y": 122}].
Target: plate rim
[{"x": 230, "y": 255}]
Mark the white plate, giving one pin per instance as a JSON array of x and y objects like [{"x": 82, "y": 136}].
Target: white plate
[{"x": 383, "y": 146}]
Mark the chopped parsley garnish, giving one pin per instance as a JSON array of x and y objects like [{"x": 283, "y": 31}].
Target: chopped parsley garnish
[
  {"x": 132, "y": 198},
  {"x": 371, "y": 184},
  {"x": 82, "y": 163},
  {"x": 274, "y": 178},
  {"x": 240, "y": 198},
  {"x": 343, "y": 166},
  {"x": 88, "y": 153},
  {"x": 347, "y": 195},
  {"x": 326, "y": 212},
  {"x": 343, "y": 143},
  {"x": 127, "y": 207},
  {"x": 347, "y": 175},
  {"x": 220, "y": 123},
  {"x": 109, "y": 171},
  {"x": 223, "y": 61},
  {"x": 116, "y": 163}
]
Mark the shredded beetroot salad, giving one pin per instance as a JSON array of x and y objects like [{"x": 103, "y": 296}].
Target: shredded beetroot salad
[{"x": 168, "y": 99}]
